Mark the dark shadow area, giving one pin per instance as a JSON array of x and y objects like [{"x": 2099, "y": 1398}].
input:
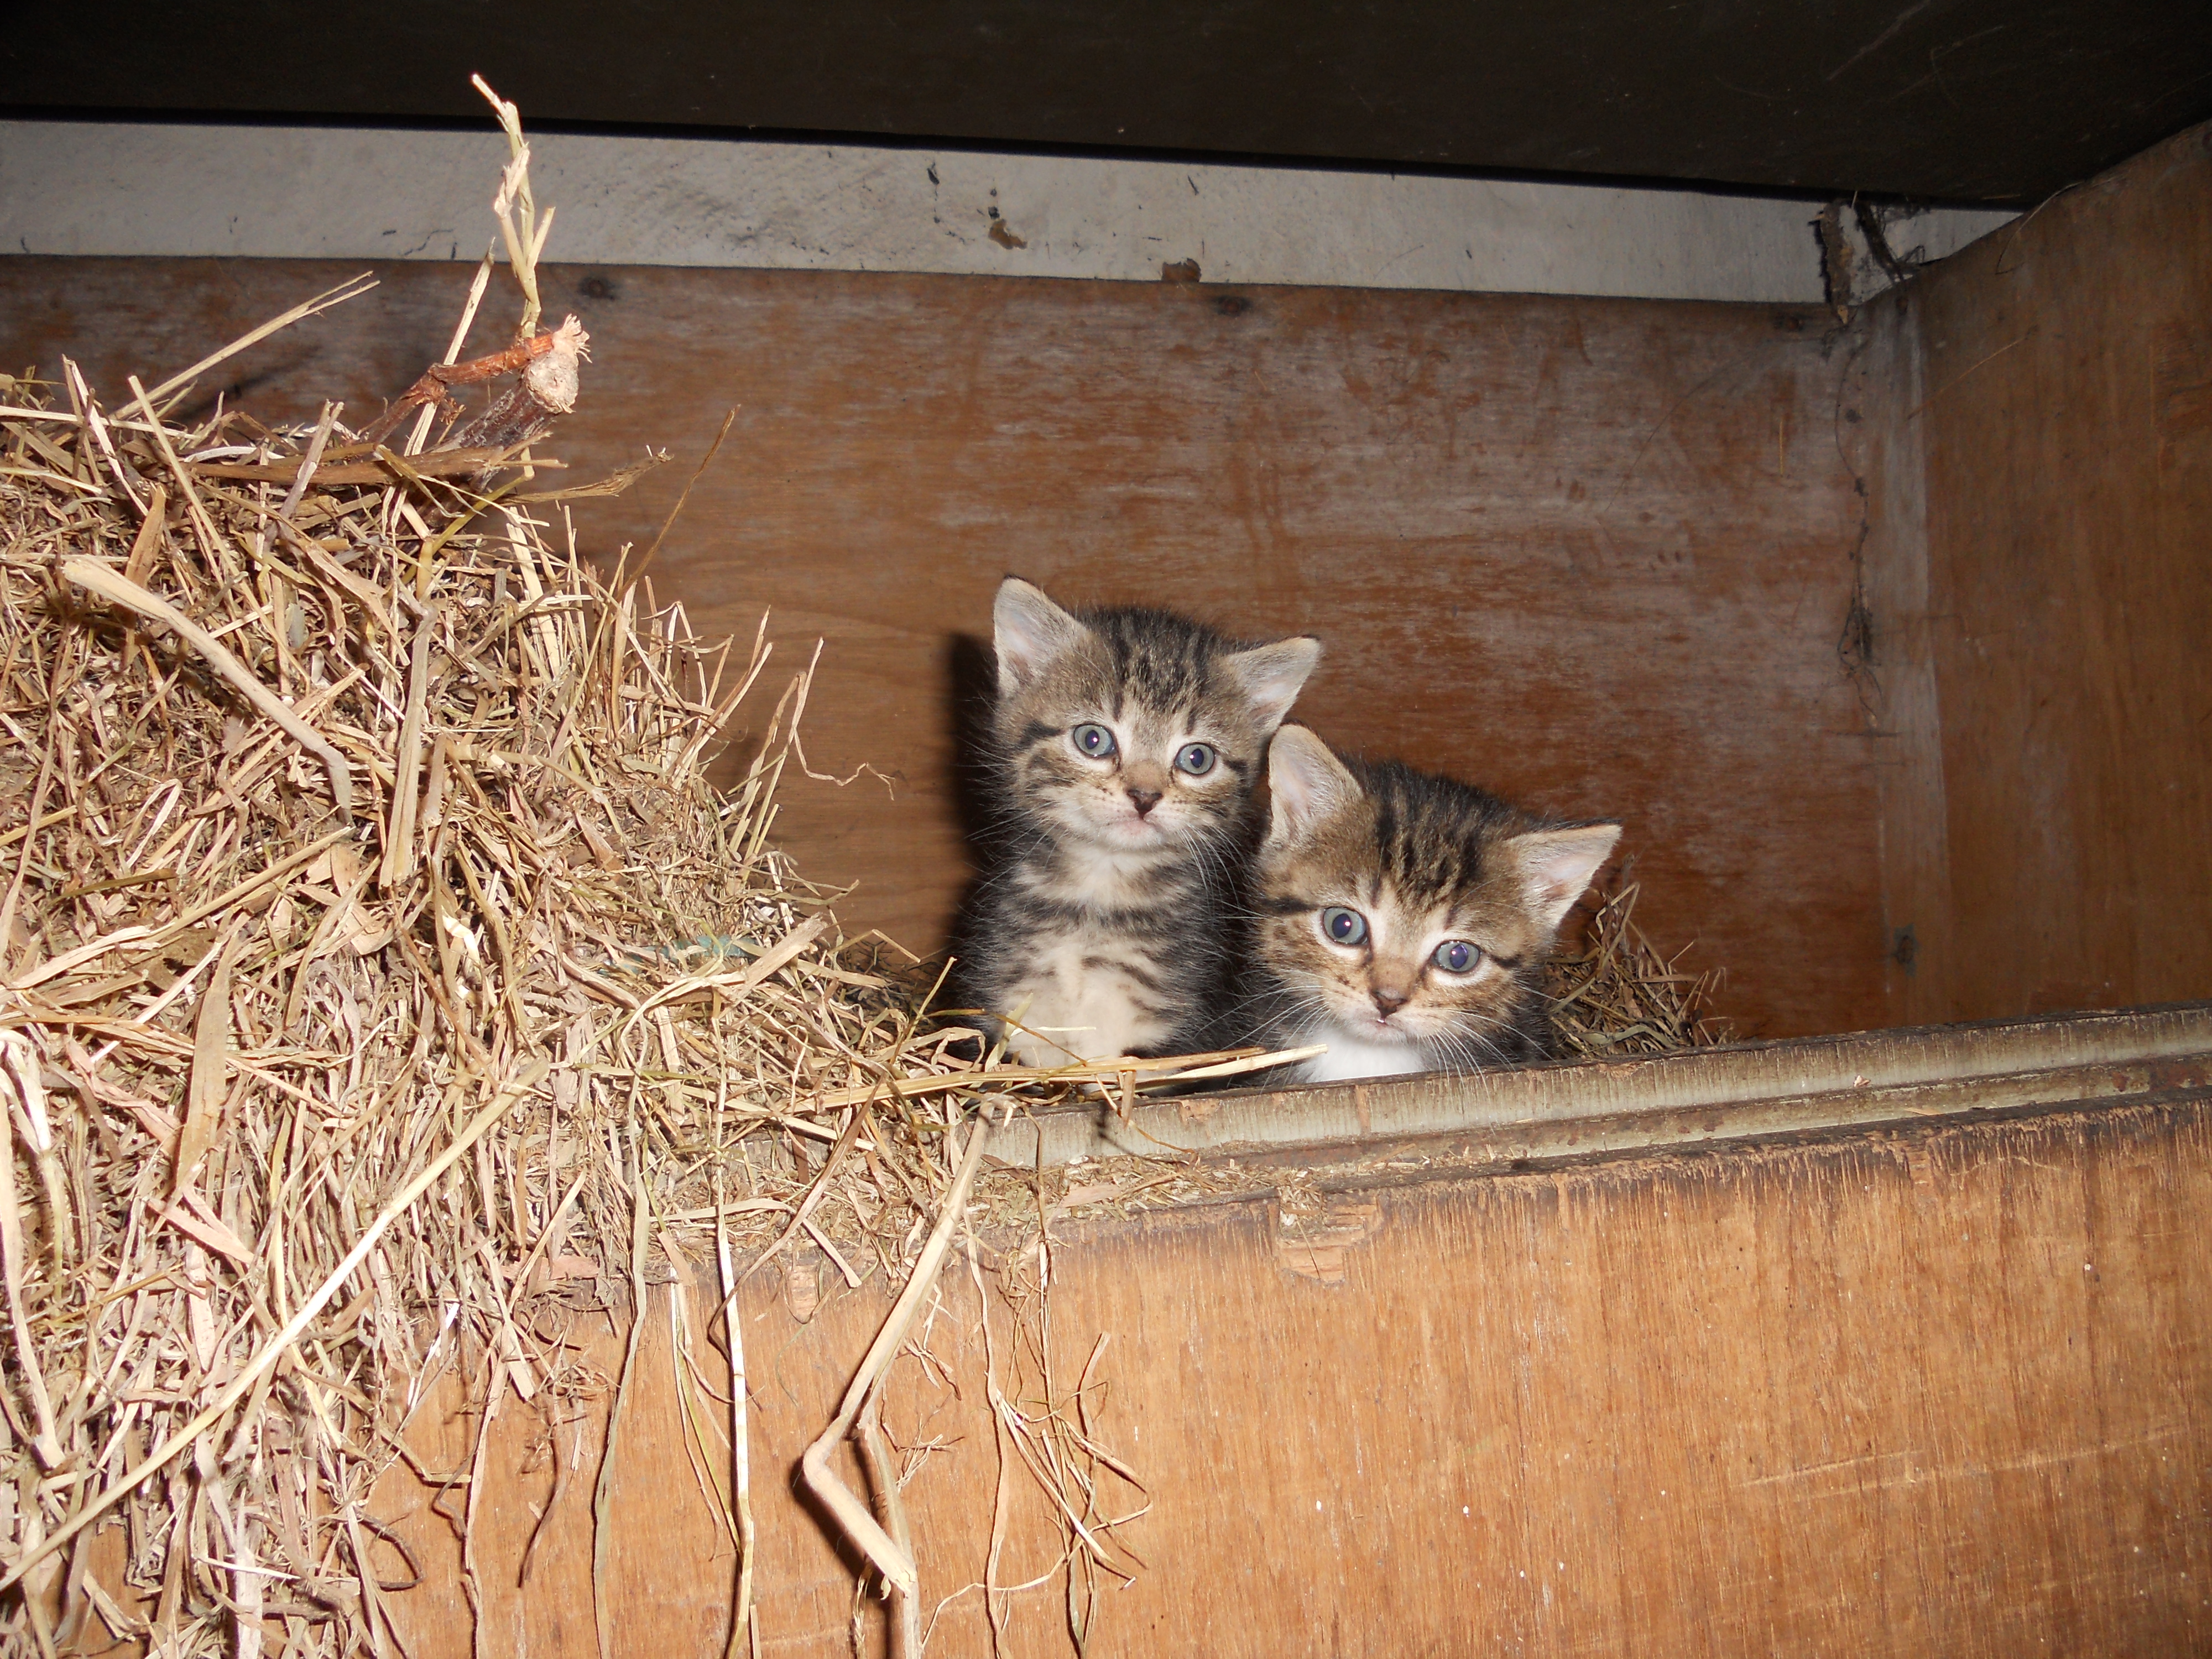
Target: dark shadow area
[
  {"x": 971, "y": 680},
  {"x": 969, "y": 674}
]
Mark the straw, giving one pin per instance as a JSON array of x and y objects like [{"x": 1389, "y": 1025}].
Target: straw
[
  {"x": 271, "y": 1024},
  {"x": 1618, "y": 995}
]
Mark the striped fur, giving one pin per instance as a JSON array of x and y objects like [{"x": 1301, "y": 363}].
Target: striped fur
[
  {"x": 1429, "y": 868},
  {"x": 1104, "y": 921}
]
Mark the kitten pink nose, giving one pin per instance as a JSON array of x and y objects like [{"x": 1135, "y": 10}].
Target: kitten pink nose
[
  {"x": 1389, "y": 999},
  {"x": 1146, "y": 800}
]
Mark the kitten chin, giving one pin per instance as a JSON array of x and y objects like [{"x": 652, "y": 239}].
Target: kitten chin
[
  {"x": 1351, "y": 1057},
  {"x": 1125, "y": 747},
  {"x": 1401, "y": 918}
]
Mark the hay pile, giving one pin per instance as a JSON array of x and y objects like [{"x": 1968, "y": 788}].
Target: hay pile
[
  {"x": 1617, "y": 995},
  {"x": 376, "y": 959},
  {"x": 523, "y": 1003},
  {"x": 310, "y": 1099}
]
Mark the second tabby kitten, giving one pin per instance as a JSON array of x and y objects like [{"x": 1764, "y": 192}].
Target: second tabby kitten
[
  {"x": 1125, "y": 746},
  {"x": 1403, "y": 919}
]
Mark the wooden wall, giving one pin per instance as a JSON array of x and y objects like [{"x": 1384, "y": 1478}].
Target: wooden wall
[
  {"x": 1935, "y": 1390},
  {"x": 2063, "y": 403},
  {"x": 1596, "y": 554}
]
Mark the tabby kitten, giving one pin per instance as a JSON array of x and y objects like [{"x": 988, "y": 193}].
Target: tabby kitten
[
  {"x": 1403, "y": 919},
  {"x": 1125, "y": 746}
]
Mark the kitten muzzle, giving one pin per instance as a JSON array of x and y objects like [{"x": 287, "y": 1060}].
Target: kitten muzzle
[
  {"x": 1133, "y": 830},
  {"x": 1380, "y": 1028}
]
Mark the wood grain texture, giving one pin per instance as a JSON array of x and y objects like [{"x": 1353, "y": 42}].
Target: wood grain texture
[
  {"x": 1931, "y": 1390},
  {"x": 2068, "y": 422},
  {"x": 1594, "y": 554},
  {"x": 1878, "y": 432}
]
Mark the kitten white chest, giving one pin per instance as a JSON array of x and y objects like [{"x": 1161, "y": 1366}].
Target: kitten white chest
[
  {"x": 1086, "y": 998},
  {"x": 1090, "y": 993},
  {"x": 1102, "y": 880},
  {"x": 1351, "y": 1057}
]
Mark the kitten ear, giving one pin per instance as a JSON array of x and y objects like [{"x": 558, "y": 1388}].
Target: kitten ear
[
  {"x": 1557, "y": 865},
  {"x": 1271, "y": 675},
  {"x": 1028, "y": 631},
  {"x": 1306, "y": 784}
]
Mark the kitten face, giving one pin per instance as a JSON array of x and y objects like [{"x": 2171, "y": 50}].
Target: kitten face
[
  {"x": 1405, "y": 919},
  {"x": 1134, "y": 733}
]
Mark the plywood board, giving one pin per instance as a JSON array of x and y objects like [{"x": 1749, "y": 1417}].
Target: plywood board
[
  {"x": 1594, "y": 554},
  {"x": 2068, "y": 426},
  {"x": 1931, "y": 1389},
  {"x": 1889, "y": 646}
]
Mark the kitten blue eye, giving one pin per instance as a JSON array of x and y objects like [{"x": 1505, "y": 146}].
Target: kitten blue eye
[
  {"x": 1195, "y": 758},
  {"x": 1456, "y": 956},
  {"x": 1093, "y": 740},
  {"x": 1342, "y": 927}
]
